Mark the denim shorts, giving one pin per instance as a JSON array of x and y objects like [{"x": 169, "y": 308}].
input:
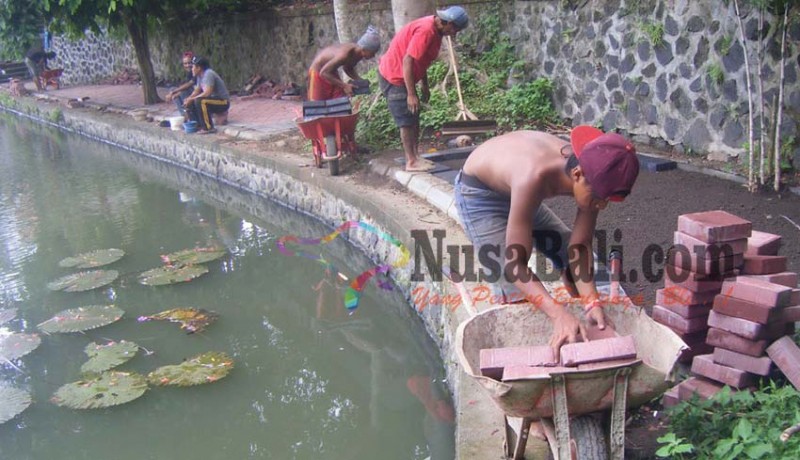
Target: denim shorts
[
  {"x": 397, "y": 99},
  {"x": 484, "y": 215}
]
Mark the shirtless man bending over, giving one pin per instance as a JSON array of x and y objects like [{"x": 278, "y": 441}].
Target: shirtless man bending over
[
  {"x": 324, "y": 81},
  {"x": 500, "y": 194}
]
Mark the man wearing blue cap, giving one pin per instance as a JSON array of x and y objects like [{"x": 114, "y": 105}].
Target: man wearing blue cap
[
  {"x": 406, "y": 63},
  {"x": 324, "y": 81}
]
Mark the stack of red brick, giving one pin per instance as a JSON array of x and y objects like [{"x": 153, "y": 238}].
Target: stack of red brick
[
  {"x": 750, "y": 325},
  {"x": 604, "y": 349},
  {"x": 709, "y": 248}
]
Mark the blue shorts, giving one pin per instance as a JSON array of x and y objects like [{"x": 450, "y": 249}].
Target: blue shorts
[
  {"x": 484, "y": 215},
  {"x": 397, "y": 99}
]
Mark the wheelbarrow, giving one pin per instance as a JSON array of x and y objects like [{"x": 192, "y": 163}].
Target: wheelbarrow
[
  {"x": 50, "y": 77},
  {"x": 332, "y": 135}
]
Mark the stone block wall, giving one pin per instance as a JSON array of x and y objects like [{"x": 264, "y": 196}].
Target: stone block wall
[{"x": 667, "y": 72}]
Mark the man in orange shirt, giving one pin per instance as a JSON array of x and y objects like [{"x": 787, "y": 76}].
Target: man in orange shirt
[{"x": 405, "y": 63}]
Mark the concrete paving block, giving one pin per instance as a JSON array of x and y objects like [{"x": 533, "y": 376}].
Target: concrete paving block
[
  {"x": 705, "y": 366},
  {"x": 678, "y": 323},
  {"x": 786, "y": 355},
  {"x": 574, "y": 354},
  {"x": 419, "y": 185},
  {"x": 493, "y": 360},
  {"x": 758, "y": 291},
  {"x": 710, "y": 250},
  {"x": 703, "y": 388},
  {"x": 751, "y": 311},
  {"x": 764, "y": 265},
  {"x": 677, "y": 295},
  {"x": 788, "y": 279},
  {"x": 441, "y": 196},
  {"x": 724, "y": 339},
  {"x": 756, "y": 365},
  {"x": 714, "y": 226},
  {"x": 705, "y": 266},
  {"x": 763, "y": 244},
  {"x": 745, "y": 328}
]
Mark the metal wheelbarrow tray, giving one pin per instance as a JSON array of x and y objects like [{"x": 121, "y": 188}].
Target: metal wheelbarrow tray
[
  {"x": 331, "y": 136},
  {"x": 568, "y": 394}
]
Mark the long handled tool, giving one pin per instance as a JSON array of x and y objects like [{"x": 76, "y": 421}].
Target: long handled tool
[{"x": 466, "y": 121}]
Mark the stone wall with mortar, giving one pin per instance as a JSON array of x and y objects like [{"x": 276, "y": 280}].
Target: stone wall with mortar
[{"x": 644, "y": 67}]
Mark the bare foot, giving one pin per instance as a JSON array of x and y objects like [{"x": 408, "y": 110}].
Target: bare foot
[{"x": 420, "y": 165}]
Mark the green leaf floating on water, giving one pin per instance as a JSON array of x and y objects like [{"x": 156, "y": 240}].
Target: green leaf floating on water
[
  {"x": 105, "y": 357},
  {"x": 107, "y": 389},
  {"x": 82, "y": 318},
  {"x": 191, "y": 319},
  {"x": 7, "y": 314},
  {"x": 172, "y": 274},
  {"x": 12, "y": 402},
  {"x": 92, "y": 259},
  {"x": 18, "y": 345},
  {"x": 193, "y": 256},
  {"x": 83, "y": 281},
  {"x": 206, "y": 368}
]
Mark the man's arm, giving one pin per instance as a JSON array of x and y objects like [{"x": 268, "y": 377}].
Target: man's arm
[
  {"x": 581, "y": 261},
  {"x": 408, "y": 78},
  {"x": 424, "y": 88},
  {"x": 330, "y": 72},
  {"x": 186, "y": 85}
]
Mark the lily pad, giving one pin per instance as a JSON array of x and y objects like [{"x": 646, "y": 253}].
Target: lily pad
[
  {"x": 105, "y": 357},
  {"x": 83, "y": 281},
  {"x": 93, "y": 259},
  {"x": 82, "y": 318},
  {"x": 193, "y": 256},
  {"x": 107, "y": 389},
  {"x": 206, "y": 368},
  {"x": 12, "y": 402},
  {"x": 7, "y": 314},
  {"x": 172, "y": 274},
  {"x": 191, "y": 319},
  {"x": 18, "y": 345}
]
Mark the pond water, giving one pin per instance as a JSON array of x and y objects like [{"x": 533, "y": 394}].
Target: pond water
[{"x": 309, "y": 382}]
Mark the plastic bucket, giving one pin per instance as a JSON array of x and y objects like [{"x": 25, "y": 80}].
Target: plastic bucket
[
  {"x": 190, "y": 127},
  {"x": 175, "y": 123}
]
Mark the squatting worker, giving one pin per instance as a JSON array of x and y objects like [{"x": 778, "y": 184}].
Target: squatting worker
[
  {"x": 324, "y": 81},
  {"x": 500, "y": 195},
  {"x": 209, "y": 96},
  {"x": 406, "y": 63},
  {"x": 184, "y": 89}
]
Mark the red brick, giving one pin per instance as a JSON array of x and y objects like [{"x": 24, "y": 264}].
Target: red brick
[
  {"x": 705, "y": 366},
  {"x": 763, "y": 244},
  {"x": 696, "y": 263},
  {"x": 703, "y": 388},
  {"x": 493, "y": 360},
  {"x": 788, "y": 279},
  {"x": 764, "y": 265},
  {"x": 760, "y": 366},
  {"x": 758, "y": 291},
  {"x": 606, "y": 364},
  {"x": 791, "y": 314},
  {"x": 676, "y": 295},
  {"x": 702, "y": 287},
  {"x": 795, "y": 297},
  {"x": 714, "y": 226},
  {"x": 723, "y": 339},
  {"x": 710, "y": 250},
  {"x": 695, "y": 350},
  {"x": 574, "y": 354},
  {"x": 670, "y": 397},
  {"x": 689, "y": 311},
  {"x": 512, "y": 373},
  {"x": 745, "y": 328},
  {"x": 751, "y": 311},
  {"x": 595, "y": 333},
  {"x": 678, "y": 323},
  {"x": 786, "y": 355}
]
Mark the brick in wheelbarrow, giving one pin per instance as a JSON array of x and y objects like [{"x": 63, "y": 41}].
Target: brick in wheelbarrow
[
  {"x": 593, "y": 332},
  {"x": 786, "y": 355},
  {"x": 724, "y": 339},
  {"x": 705, "y": 265},
  {"x": 745, "y": 328},
  {"x": 751, "y": 311},
  {"x": 493, "y": 360},
  {"x": 705, "y": 366},
  {"x": 763, "y": 265},
  {"x": 760, "y": 365},
  {"x": 678, "y": 323},
  {"x": 676, "y": 295},
  {"x": 707, "y": 250},
  {"x": 703, "y": 388},
  {"x": 574, "y": 354},
  {"x": 788, "y": 279},
  {"x": 714, "y": 226},
  {"x": 763, "y": 244},
  {"x": 513, "y": 373},
  {"x": 758, "y": 291}
]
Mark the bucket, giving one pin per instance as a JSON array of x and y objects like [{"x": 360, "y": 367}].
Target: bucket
[
  {"x": 190, "y": 127},
  {"x": 175, "y": 123}
]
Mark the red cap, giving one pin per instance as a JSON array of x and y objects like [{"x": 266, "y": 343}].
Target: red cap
[{"x": 608, "y": 161}]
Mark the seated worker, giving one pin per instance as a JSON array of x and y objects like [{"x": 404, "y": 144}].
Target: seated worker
[
  {"x": 500, "y": 194},
  {"x": 209, "y": 96},
  {"x": 36, "y": 60},
  {"x": 185, "y": 89},
  {"x": 324, "y": 81}
]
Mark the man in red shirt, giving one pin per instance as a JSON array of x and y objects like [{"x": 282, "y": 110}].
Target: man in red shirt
[{"x": 405, "y": 63}]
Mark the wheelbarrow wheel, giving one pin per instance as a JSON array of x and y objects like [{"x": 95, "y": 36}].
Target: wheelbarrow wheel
[
  {"x": 589, "y": 437},
  {"x": 332, "y": 150}
]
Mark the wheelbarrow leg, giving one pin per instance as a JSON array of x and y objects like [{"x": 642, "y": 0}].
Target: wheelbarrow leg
[
  {"x": 618, "y": 407},
  {"x": 561, "y": 417},
  {"x": 515, "y": 444}
]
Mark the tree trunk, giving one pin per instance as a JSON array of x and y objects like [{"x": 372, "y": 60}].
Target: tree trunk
[
  {"x": 780, "y": 100},
  {"x": 751, "y": 185},
  {"x": 405, "y": 11},
  {"x": 762, "y": 148},
  {"x": 343, "y": 14},
  {"x": 137, "y": 29}
]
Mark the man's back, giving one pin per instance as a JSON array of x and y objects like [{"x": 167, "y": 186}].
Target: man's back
[{"x": 337, "y": 50}]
